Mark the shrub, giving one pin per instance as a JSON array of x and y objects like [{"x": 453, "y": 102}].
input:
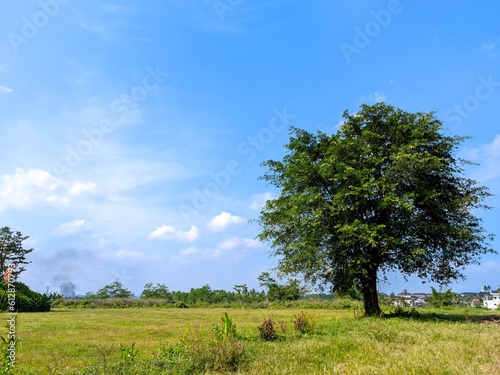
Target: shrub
[
  {"x": 267, "y": 330},
  {"x": 225, "y": 330},
  {"x": 218, "y": 356},
  {"x": 304, "y": 323},
  {"x": 26, "y": 300}
]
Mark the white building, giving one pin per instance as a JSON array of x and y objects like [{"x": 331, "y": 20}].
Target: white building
[{"x": 492, "y": 300}]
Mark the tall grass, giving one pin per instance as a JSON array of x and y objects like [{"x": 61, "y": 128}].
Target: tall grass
[{"x": 181, "y": 341}]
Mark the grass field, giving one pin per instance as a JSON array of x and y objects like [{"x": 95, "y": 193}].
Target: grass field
[{"x": 438, "y": 342}]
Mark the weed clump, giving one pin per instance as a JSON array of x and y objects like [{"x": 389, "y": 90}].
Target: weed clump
[
  {"x": 267, "y": 330},
  {"x": 195, "y": 354},
  {"x": 304, "y": 323}
]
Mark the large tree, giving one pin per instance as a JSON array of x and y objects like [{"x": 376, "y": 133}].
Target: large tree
[
  {"x": 12, "y": 250},
  {"x": 385, "y": 192}
]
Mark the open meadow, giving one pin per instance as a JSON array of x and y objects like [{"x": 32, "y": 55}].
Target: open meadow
[{"x": 181, "y": 341}]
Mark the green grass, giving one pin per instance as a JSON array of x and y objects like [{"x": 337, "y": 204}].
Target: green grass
[{"x": 438, "y": 342}]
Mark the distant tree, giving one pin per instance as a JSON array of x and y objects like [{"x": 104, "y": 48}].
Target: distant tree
[
  {"x": 114, "y": 290},
  {"x": 292, "y": 290},
  {"x": 385, "y": 192},
  {"x": 203, "y": 294},
  {"x": 160, "y": 291},
  {"x": 266, "y": 281},
  {"x": 241, "y": 289},
  {"x": 220, "y": 295},
  {"x": 440, "y": 299},
  {"x": 241, "y": 292},
  {"x": 12, "y": 250},
  {"x": 90, "y": 295},
  {"x": 486, "y": 288}
]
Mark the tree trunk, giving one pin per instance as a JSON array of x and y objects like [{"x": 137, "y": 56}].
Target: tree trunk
[{"x": 370, "y": 295}]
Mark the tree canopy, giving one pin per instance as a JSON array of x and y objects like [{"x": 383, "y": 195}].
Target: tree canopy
[
  {"x": 12, "y": 250},
  {"x": 159, "y": 291},
  {"x": 114, "y": 290},
  {"x": 385, "y": 192}
]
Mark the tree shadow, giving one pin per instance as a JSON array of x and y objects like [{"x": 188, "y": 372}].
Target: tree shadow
[{"x": 430, "y": 316}]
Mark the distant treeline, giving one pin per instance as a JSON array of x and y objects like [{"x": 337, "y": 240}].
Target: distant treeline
[
  {"x": 288, "y": 294},
  {"x": 290, "y": 291}
]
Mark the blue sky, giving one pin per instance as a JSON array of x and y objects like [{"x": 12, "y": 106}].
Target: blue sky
[{"x": 132, "y": 132}]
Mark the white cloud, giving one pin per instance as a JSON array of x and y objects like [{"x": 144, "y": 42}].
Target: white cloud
[
  {"x": 223, "y": 220},
  {"x": 124, "y": 254},
  {"x": 3, "y": 67},
  {"x": 488, "y": 157},
  {"x": 72, "y": 227},
  {"x": 259, "y": 200},
  {"x": 83, "y": 187},
  {"x": 6, "y": 89},
  {"x": 25, "y": 189},
  {"x": 192, "y": 251},
  {"x": 226, "y": 247},
  {"x": 167, "y": 232},
  {"x": 235, "y": 242}
]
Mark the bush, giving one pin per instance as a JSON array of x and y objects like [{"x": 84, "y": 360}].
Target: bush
[
  {"x": 217, "y": 356},
  {"x": 225, "y": 330},
  {"x": 267, "y": 330},
  {"x": 26, "y": 300},
  {"x": 304, "y": 323}
]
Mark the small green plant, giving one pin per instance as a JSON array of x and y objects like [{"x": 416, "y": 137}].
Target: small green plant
[
  {"x": 5, "y": 362},
  {"x": 304, "y": 323},
  {"x": 225, "y": 330},
  {"x": 267, "y": 330},
  {"x": 59, "y": 362},
  {"x": 128, "y": 354}
]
